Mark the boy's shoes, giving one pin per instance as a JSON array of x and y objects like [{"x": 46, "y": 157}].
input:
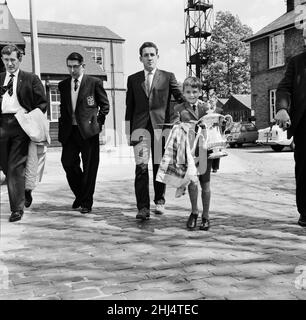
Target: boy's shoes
[
  {"x": 215, "y": 171},
  {"x": 205, "y": 225},
  {"x": 28, "y": 198},
  {"x": 192, "y": 221},
  {"x": 143, "y": 214},
  {"x": 160, "y": 209}
]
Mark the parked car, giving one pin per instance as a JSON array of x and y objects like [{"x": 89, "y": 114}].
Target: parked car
[
  {"x": 241, "y": 133},
  {"x": 275, "y": 137}
]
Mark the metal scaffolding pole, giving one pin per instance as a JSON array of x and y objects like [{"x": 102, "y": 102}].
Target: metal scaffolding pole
[{"x": 34, "y": 39}]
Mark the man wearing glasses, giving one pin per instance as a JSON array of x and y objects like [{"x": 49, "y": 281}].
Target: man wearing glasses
[{"x": 84, "y": 106}]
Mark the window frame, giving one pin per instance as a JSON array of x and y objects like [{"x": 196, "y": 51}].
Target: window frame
[
  {"x": 274, "y": 61},
  {"x": 272, "y": 104},
  {"x": 93, "y": 51},
  {"x": 54, "y": 86}
]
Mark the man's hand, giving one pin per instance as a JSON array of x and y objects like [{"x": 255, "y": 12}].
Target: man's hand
[{"x": 282, "y": 119}]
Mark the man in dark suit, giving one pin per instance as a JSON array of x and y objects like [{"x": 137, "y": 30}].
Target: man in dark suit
[
  {"x": 147, "y": 109},
  {"x": 291, "y": 115},
  {"x": 84, "y": 106},
  {"x": 19, "y": 91}
]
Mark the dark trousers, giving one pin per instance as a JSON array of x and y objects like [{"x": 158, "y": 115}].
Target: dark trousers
[
  {"x": 142, "y": 155},
  {"x": 14, "y": 145},
  {"x": 81, "y": 182},
  {"x": 300, "y": 166}
]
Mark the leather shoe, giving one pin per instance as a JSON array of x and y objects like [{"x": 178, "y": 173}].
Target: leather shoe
[
  {"x": 143, "y": 214},
  {"x": 192, "y": 221},
  {"x": 205, "y": 225},
  {"x": 302, "y": 221},
  {"x": 28, "y": 198},
  {"x": 76, "y": 204},
  {"x": 16, "y": 216},
  {"x": 85, "y": 210}
]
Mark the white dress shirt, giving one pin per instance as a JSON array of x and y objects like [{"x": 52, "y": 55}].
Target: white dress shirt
[
  {"x": 10, "y": 104},
  {"x": 74, "y": 97}
]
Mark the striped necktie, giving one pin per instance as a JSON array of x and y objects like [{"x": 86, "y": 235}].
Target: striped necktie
[{"x": 10, "y": 85}]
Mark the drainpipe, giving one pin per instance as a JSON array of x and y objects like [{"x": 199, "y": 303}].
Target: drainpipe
[{"x": 113, "y": 93}]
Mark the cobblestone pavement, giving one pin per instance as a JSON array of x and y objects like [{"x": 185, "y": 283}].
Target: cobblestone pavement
[{"x": 254, "y": 249}]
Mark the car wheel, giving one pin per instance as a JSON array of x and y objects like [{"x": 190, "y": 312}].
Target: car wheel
[
  {"x": 277, "y": 148},
  {"x": 292, "y": 146}
]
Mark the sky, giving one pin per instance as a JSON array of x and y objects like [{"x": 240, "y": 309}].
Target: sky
[{"x": 137, "y": 21}]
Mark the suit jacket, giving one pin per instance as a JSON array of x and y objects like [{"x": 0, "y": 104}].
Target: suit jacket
[
  {"x": 141, "y": 108},
  {"x": 291, "y": 91},
  {"x": 30, "y": 91},
  {"x": 184, "y": 112},
  {"x": 91, "y": 108}
]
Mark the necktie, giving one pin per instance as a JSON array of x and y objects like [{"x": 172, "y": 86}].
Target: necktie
[
  {"x": 76, "y": 84},
  {"x": 194, "y": 108},
  {"x": 149, "y": 82},
  {"x": 10, "y": 85}
]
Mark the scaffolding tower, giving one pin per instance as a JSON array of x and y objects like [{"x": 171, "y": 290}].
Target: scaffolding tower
[{"x": 198, "y": 26}]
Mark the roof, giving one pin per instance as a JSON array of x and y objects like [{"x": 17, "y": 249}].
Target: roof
[
  {"x": 245, "y": 99},
  {"x": 223, "y": 101},
  {"x": 286, "y": 20},
  {"x": 53, "y": 59},
  {"x": 61, "y": 29},
  {"x": 11, "y": 34}
]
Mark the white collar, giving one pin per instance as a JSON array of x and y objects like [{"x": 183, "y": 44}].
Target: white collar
[
  {"x": 195, "y": 104},
  {"x": 147, "y": 72},
  {"x": 16, "y": 73},
  {"x": 79, "y": 78}
]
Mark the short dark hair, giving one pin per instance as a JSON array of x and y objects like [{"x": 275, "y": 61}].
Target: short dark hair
[
  {"x": 148, "y": 45},
  {"x": 192, "y": 82},
  {"x": 9, "y": 49},
  {"x": 75, "y": 56}
]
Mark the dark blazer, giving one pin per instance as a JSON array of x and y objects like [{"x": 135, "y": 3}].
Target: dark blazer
[
  {"x": 91, "y": 108},
  {"x": 184, "y": 112},
  {"x": 30, "y": 91},
  {"x": 140, "y": 107},
  {"x": 291, "y": 91}
]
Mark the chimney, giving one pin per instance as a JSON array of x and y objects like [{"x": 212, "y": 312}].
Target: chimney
[{"x": 290, "y": 5}]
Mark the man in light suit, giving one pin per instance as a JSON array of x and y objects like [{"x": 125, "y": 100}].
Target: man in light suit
[
  {"x": 147, "y": 109},
  {"x": 291, "y": 115},
  {"x": 84, "y": 106},
  {"x": 19, "y": 91}
]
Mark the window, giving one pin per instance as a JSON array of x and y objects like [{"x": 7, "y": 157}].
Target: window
[
  {"x": 97, "y": 55},
  {"x": 272, "y": 104},
  {"x": 55, "y": 100},
  {"x": 277, "y": 50}
]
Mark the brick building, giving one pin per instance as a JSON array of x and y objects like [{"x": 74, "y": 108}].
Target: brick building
[{"x": 271, "y": 47}]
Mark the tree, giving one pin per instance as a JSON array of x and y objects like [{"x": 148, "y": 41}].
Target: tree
[{"x": 228, "y": 68}]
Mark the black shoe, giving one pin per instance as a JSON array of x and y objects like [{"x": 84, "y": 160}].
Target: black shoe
[
  {"x": 28, "y": 198},
  {"x": 205, "y": 225},
  {"x": 76, "y": 204},
  {"x": 192, "y": 221},
  {"x": 16, "y": 216},
  {"x": 302, "y": 221},
  {"x": 85, "y": 210},
  {"x": 143, "y": 214}
]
